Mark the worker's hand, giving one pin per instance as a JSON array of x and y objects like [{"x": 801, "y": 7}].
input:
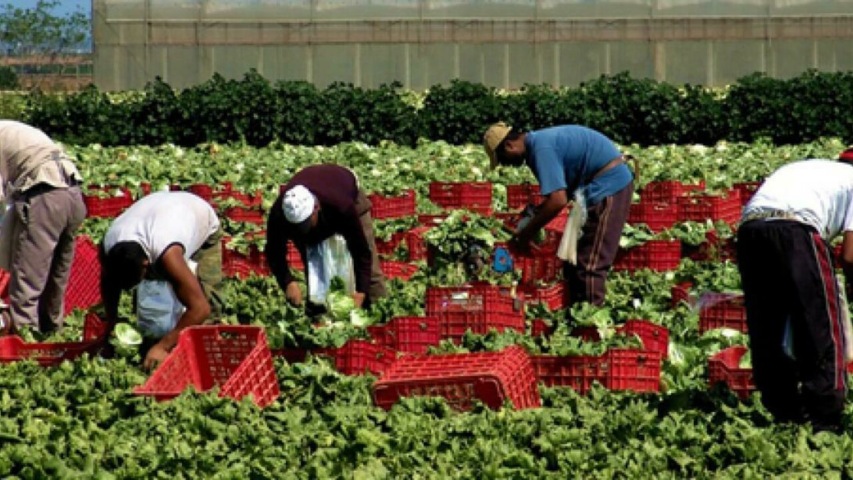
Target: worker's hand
[
  {"x": 293, "y": 294},
  {"x": 358, "y": 298},
  {"x": 155, "y": 356}
]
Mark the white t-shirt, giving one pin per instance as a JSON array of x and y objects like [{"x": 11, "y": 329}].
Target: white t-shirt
[
  {"x": 163, "y": 219},
  {"x": 819, "y": 192}
]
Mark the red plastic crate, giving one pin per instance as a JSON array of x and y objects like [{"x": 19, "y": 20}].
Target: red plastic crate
[
  {"x": 668, "y": 191},
  {"x": 387, "y": 247},
  {"x": 658, "y": 216},
  {"x": 227, "y": 192},
  {"x": 416, "y": 244},
  {"x": 540, "y": 265},
  {"x": 617, "y": 369},
  {"x": 657, "y": 255},
  {"x": 401, "y": 270},
  {"x": 655, "y": 337},
  {"x": 14, "y": 349},
  {"x": 358, "y": 357},
  {"x": 519, "y": 196},
  {"x": 402, "y": 205},
  {"x": 408, "y": 334},
  {"x": 431, "y": 220},
  {"x": 84, "y": 281},
  {"x": 539, "y": 327},
  {"x": 723, "y": 367},
  {"x": 474, "y": 196},
  {"x": 479, "y": 309},
  {"x": 235, "y": 358},
  {"x": 254, "y": 215},
  {"x": 202, "y": 190},
  {"x": 746, "y": 190},
  {"x": 491, "y": 377},
  {"x": 721, "y": 310},
  {"x": 713, "y": 249},
  {"x": 241, "y": 265},
  {"x": 555, "y": 296},
  {"x": 680, "y": 292},
  {"x": 108, "y": 207},
  {"x": 700, "y": 208}
]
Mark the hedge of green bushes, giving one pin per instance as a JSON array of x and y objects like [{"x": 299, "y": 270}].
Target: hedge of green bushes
[{"x": 630, "y": 110}]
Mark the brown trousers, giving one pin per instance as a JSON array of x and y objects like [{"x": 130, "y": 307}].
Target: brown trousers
[
  {"x": 597, "y": 248},
  {"x": 42, "y": 250},
  {"x": 377, "y": 278}
]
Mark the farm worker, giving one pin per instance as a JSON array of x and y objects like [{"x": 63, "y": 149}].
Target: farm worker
[
  {"x": 37, "y": 234},
  {"x": 320, "y": 201},
  {"x": 579, "y": 163},
  {"x": 795, "y": 310},
  {"x": 154, "y": 239}
]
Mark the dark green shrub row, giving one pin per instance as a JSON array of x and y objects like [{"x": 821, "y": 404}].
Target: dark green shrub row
[{"x": 256, "y": 111}]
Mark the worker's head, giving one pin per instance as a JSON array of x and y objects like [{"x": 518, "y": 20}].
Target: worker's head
[
  {"x": 504, "y": 145},
  {"x": 846, "y": 156},
  {"x": 301, "y": 208},
  {"x": 126, "y": 264}
]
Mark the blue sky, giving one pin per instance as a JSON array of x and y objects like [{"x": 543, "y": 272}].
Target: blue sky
[{"x": 66, "y": 6}]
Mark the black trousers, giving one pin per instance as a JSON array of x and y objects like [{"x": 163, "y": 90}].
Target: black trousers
[{"x": 787, "y": 273}]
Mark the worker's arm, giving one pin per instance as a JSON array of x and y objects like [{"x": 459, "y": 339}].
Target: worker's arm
[
  {"x": 188, "y": 290},
  {"x": 554, "y": 203}
]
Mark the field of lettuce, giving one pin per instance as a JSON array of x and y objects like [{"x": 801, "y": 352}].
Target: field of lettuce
[{"x": 81, "y": 419}]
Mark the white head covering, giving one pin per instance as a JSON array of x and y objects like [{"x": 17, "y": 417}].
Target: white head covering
[{"x": 298, "y": 204}]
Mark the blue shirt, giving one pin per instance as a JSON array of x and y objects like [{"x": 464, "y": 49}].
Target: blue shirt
[{"x": 566, "y": 157}]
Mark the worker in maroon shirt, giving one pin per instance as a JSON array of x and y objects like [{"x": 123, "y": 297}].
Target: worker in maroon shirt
[{"x": 318, "y": 202}]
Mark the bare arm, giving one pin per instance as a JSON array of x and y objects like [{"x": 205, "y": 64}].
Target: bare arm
[{"x": 187, "y": 289}]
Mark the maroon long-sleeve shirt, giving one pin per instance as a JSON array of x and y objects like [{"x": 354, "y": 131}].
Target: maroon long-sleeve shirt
[{"x": 337, "y": 190}]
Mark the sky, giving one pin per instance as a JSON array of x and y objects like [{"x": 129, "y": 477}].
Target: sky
[{"x": 66, "y": 6}]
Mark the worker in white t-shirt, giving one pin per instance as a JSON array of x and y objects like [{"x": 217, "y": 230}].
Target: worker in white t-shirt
[
  {"x": 795, "y": 311},
  {"x": 154, "y": 239}
]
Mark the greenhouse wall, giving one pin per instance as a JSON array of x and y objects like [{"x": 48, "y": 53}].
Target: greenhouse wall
[{"x": 502, "y": 43}]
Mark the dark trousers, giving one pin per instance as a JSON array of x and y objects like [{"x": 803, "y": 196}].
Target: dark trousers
[
  {"x": 787, "y": 273},
  {"x": 597, "y": 247}
]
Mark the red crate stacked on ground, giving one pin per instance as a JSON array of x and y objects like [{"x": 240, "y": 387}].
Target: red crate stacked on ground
[
  {"x": 713, "y": 249},
  {"x": 237, "y": 359},
  {"x": 746, "y": 190},
  {"x": 493, "y": 378},
  {"x": 554, "y": 296},
  {"x": 396, "y": 206},
  {"x": 721, "y": 310},
  {"x": 657, "y": 215},
  {"x": 680, "y": 292},
  {"x": 407, "y": 334},
  {"x": 401, "y": 270},
  {"x": 617, "y": 369},
  {"x": 539, "y": 327},
  {"x": 358, "y": 357},
  {"x": 387, "y": 247},
  {"x": 478, "y": 308},
  {"x": 416, "y": 244},
  {"x": 668, "y": 191},
  {"x": 251, "y": 209},
  {"x": 699, "y": 208},
  {"x": 14, "y": 349},
  {"x": 724, "y": 367},
  {"x": 655, "y": 337},
  {"x": 657, "y": 255},
  {"x": 107, "y": 201},
  {"x": 519, "y": 196},
  {"x": 537, "y": 266},
  {"x": 202, "y": 190},
  {"x": 84, "y": 280},
  {"x": 474, "y": 196},
  {"x": 241, "y": 265}
]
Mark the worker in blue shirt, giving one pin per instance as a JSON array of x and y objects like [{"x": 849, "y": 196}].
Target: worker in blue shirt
[{"x": 572, "y": 162}]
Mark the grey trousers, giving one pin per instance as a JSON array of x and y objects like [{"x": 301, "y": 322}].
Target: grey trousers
[{"x": 42, "y": 249}]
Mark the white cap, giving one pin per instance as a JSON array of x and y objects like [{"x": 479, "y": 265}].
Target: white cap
[{"x": 298, "y": 204}]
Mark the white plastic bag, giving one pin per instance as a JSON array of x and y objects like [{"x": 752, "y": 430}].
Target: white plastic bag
[
  {"x": 157, "y": 307},
  {"x": 327, "y": 260},
  {"x": 568, "y": 249}
]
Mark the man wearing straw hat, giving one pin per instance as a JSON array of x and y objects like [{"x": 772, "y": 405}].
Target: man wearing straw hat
[{"x": 579, "y": 163}]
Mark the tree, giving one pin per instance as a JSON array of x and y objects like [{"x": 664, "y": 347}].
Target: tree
[{"x": 40, "y": 35}]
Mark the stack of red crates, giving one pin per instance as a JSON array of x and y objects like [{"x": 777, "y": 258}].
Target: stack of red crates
[
  {"x": 668, "y": 191},
  {"x": 84, "y": 281},
  {"x": 617, "y": 369},
  {"x": 519, "y": 196},
  {"x": 655, "y": 337},
  {"x": 724, "y": 367},
  {"x": 699, "y": 208},
  {"x": 657, "y": 215},
  {"x": 721, "y": 310},
  {"x": 402, "y": 205},
  {"x": 657, "y": 255},
  {"x": 109, "y": 202},
  {"x": 492, "y": 378},
  {"x": 478, "y": 308},
  {"x": 474, "y": 196},
  {"x": 746, "y": 190},
  {"x": 408, "y": 334},
  {"x": 554, "y": 296}
]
